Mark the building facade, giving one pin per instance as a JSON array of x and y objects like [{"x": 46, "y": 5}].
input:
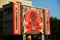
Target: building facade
[
  {"x": 19, "y": 19},
  {"x": 2, "y": 2}
]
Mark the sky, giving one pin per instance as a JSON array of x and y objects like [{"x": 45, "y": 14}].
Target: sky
[{"x": 52, "y": 5}]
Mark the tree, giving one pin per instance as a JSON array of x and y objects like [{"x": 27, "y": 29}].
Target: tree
[{"x": 55, "y": 25}]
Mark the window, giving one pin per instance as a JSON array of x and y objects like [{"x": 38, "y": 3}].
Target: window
[
  {"x": 8, "y": 24},
  {"x": 5, "y": 12},
  {"x": 1, "y": 13},
  {"x": 16, "y": 21},
  {"x": 16, "y": 18},
  {"x": 8, "y": 11},
  {"x": 5, "y": 24},
  {"x": 1, "y": 26}
]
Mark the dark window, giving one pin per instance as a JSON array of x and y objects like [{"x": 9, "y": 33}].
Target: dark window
[
  {"x": 16, "y": 8},
  {"x": 16, "y": 21},
  {"x": 11, "y": 11},
  {"x": 8, "y": 11},
  {"x": 8, "y": 24},
  {"x": 16, "y": 18},
  {"x": 1, "y": 14},
  {"x": 0, "y": 26},
  {"x": 5, "y": 12}
]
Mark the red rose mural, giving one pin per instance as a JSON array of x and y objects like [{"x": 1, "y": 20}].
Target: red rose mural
[{"x": 33, "y": 20}]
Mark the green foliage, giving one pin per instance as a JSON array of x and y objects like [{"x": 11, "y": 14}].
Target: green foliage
[{"x": 55, "y": 26}]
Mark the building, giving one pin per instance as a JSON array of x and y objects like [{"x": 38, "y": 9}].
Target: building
[
  {"x": 3, "y": 12},
  {"x": 22, "y": 18},
  {"x": 1, "y": 15},
  {"x": 2, "y": 2}
]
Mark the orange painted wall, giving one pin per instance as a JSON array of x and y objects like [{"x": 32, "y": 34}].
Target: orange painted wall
[
  {"x": 47, "y": 21},
  {"x": 18, "y": 31}
]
